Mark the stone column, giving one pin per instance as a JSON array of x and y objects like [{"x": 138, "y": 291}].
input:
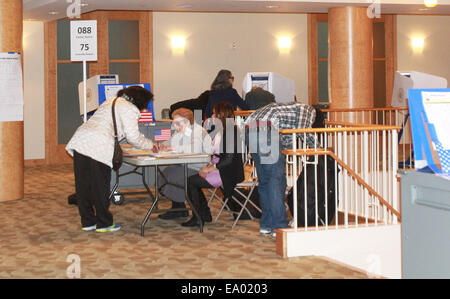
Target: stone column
[{"x": 350, "y": 58}]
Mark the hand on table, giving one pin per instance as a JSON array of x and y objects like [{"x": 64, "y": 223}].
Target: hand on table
[{"x": 158, "y": 147}]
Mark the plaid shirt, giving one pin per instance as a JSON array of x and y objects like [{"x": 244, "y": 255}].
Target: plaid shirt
[{"x": 285, "y": 116}]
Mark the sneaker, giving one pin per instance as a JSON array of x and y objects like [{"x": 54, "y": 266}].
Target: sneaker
[
  {"x": 265, "y": 231},
  {"x": 112, "y": 228},
  {"x": 89, "y": 228}
]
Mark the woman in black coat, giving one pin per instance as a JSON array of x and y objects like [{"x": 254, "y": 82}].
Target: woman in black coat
[
  {"x": 222, "y": 90},
  {"x": 226, "y": 169}
]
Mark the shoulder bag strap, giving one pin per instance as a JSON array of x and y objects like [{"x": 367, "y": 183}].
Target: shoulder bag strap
[{"x": 114, "y": 119}]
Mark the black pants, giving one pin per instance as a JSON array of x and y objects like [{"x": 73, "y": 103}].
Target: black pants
[
  {"x": 92, "y": 185},
  {"x": 195, "y": 184}
]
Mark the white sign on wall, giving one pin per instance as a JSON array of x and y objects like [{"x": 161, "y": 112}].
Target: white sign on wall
[
  {"x": 83, "y": 40},
  {"x": 11, "y": 97}
]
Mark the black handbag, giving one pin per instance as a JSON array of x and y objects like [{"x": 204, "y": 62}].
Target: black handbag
[{"x": 117, "y": 159}]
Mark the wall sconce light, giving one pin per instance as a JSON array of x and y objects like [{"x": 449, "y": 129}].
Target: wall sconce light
[
  {"x": 284, "y": 42},
  {"x": 430, "y": 3},
  {"x": 178, "y": 42},
  {"x": 417, "y": 43}
]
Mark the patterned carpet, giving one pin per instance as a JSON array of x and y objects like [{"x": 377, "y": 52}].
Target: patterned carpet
[{"x": 41, "y": 232}]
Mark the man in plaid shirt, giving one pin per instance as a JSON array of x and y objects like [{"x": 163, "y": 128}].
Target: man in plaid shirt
[{"x": 265, "y": 146}]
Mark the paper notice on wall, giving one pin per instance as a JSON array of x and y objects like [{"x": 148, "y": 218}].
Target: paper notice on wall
[
  {"x": 111, "y": 90},
  {"x": 11, "y": 95}
]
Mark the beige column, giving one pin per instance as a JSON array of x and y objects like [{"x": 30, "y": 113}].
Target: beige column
[
  {"x": 350, "y": 58},
  {"x": 11, "y": 133}
]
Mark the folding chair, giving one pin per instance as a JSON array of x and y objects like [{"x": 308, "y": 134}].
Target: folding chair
[{"x": 249, "y": 184}]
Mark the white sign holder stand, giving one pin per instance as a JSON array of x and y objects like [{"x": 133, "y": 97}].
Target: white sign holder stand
[{"x": 83, "y": 46}]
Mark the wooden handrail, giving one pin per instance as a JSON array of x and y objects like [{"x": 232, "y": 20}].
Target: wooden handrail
[
  {"x": 332, "y": 130},
  {"x": 365, "y": 109},
  {"x": 346, "y": 124},
  {"x": 245, "y": 113},
  {"x": 321, "y": 152}
]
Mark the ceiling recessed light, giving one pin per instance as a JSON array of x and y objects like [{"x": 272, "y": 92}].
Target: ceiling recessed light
[
  {"x": 272, "y": 6},
  {"x": 84, "y": 4},
  {"x": 53, "y": 13}
]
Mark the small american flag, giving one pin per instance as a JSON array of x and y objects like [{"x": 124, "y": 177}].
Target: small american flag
[
  {"x": 146, "y": 117},
  {"x": 162, "y": 134}
]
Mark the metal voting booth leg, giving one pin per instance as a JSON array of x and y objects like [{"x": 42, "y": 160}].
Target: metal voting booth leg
[{"x": 192, "y": 207}]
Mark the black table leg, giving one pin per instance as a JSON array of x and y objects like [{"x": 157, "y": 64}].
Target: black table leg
[{"x": 155, "y": 201}]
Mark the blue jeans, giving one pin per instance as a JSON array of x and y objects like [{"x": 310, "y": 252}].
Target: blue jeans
[{"x": 271, "y": 189}]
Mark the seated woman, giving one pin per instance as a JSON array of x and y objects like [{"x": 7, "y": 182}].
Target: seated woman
[
  {"x": 222, "y": 90},
  {"x": 225, "y": 170},
  {"x": 189, "y": 137}
]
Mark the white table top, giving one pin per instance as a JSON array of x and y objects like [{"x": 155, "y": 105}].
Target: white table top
[{"x": 152, "y": 161}]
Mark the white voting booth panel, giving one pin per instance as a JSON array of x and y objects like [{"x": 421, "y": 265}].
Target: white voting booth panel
[
  {"x": 92, "y": 99},
  {"x": 413, "y": 80},
  {"x": 282, "y": 88}
]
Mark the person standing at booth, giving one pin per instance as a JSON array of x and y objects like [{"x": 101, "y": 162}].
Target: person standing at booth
[
  {"x": 92, "y": 148},
  {"x": 222, "y": 91},
  {"x": 265, "y": 145}
]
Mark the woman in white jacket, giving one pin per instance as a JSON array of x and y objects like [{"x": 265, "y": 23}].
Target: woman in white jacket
[{"x": 92, "y": 147}]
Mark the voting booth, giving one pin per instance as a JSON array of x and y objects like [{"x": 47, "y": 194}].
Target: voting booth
[
  {"x": 413, "y": 80},
  {"x": 281, "y": 87},
  {"x": 107, "y": 91},
  {"x": 92, "y": 96}
]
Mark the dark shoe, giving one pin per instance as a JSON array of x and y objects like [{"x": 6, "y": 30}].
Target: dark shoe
[
  {"x": 172, "y": 215},
  {"x": 175, "y": 214},
  {"x": 206, "y": 217},
  {"x": 191, "y": 222},
  {"x": 205, "y": 213},
  {"x": 72, "y": 199}
]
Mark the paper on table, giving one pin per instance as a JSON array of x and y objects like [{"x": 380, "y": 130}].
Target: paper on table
[
  {"x": 437, "y": 108},
  {"x": 11, "y": 98}
]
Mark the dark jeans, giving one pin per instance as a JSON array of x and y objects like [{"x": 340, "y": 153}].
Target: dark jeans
[
  {"x": 92, "y": 185},
  {"x": 271, "y": 189},
  {"x": 195, "y": 193}
]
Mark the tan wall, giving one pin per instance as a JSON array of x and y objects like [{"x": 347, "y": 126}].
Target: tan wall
[
  {"x": 34, "y": 116},
  {"x": 434, "y": 58},
  {"x": 209, "y": 39}
]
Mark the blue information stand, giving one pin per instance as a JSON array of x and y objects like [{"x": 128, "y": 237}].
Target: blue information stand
[
  {"x": 102, "y": 93},
  {"x": 429, "y": 154}
]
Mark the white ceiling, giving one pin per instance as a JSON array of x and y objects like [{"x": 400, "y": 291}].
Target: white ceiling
[{"x": 40, "y": 9}]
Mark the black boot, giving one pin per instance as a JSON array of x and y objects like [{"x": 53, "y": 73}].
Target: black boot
[
  {"x": 175, "y": 214},
  {"x": 72, "y": 199},
  {"x": 205, "y": 213},
  {"x": 191, "y": 222}
]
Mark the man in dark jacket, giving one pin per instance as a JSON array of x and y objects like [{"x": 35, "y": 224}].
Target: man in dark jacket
[{"x": 258, "y": 97}]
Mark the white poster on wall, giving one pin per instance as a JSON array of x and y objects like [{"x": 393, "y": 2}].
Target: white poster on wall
[{"x": 11, "y": 97}]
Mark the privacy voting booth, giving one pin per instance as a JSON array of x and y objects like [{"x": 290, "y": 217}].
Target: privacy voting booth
[
  {"x": 413, "y": 80},
  {"x": 102, "y": 87},
  {"x": 92, "y": 94},
  {"x": 281, "y": 87}
]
